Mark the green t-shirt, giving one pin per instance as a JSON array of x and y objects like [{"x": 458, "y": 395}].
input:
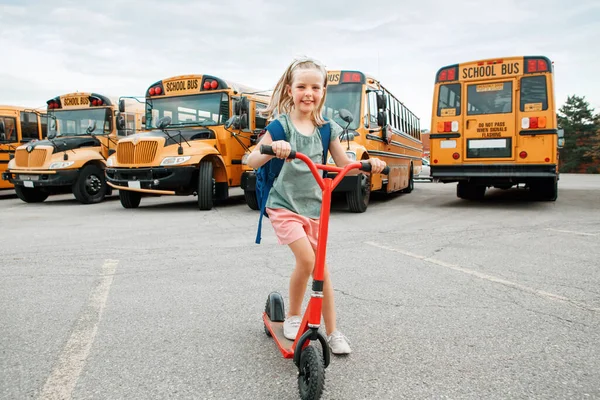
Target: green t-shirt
[{"x": 295, "y": 188}]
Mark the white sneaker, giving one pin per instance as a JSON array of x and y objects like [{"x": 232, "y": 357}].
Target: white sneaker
[
  {"x": 291, "y": 326},
  {"x": 338, "y": 343}
]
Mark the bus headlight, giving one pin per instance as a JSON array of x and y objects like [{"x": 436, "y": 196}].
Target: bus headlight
[
  {"x": 174, "y": 160},
  {"x": 61, "y": 164},
  {"x": 110, "y": 162}
]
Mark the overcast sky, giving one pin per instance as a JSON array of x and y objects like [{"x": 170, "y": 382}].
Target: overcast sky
[{"x": 52, "y": 47}]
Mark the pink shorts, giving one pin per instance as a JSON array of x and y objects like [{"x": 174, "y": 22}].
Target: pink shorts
[{"x": 290, "y": 226}]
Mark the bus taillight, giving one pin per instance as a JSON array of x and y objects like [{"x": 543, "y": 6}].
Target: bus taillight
[
  {"x": 533, "y": 122},
  {"x": 447, "y": 126},
  {"x": 523, "y": 154},
  {"x": 456, "y": 156}
]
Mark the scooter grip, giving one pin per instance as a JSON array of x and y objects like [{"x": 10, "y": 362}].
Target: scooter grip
[
  {"x": 267, "y": 149},
  {"x": 366, "y": 167}
]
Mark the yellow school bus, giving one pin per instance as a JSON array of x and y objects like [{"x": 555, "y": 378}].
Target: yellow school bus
[
  {"x": 82, "y": 133},
  {"x": 382, "y": 126},
  {"x": 190, "y": 149},
  {"x": 494, "y": 125},
  {"x": 18, "y": 125}
]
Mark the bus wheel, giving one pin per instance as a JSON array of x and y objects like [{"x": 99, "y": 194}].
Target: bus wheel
[
  {"x": 205, "y": 186},
  {"x": 130, "y": 199},
  {"x": 469, "y": 191},
  {"x": 90, "y": 186},
  {"x": 251, "y": 199},
  {"x": 358, "y": 199},
  {"x": 30, "y": 195},
  {"x": 411, "y": 182}
]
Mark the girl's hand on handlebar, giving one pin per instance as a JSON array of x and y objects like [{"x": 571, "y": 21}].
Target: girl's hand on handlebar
[
  {"x": 281, "y": 148},
  {"x": 377, "y": 165}
]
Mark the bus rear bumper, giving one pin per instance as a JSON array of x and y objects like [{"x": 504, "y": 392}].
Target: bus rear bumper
[{"x": 515, "y": 173}]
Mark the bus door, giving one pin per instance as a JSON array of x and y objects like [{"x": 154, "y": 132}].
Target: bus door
[{"x": 491, "y": 128}]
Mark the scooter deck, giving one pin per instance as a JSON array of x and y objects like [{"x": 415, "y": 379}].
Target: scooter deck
[{"x": 276, "y": 329}]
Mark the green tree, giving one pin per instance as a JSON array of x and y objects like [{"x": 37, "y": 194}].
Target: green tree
[{"x": 576, "y": 117}]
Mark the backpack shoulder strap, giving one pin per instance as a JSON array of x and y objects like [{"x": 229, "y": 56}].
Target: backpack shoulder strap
[
  {"x": 325, "y": 138},
  {"x": 276, "y": 130},
  {"x": 273, "y": 167}
]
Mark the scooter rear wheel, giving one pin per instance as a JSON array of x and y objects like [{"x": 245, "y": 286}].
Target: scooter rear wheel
[{"x": 311, "y": 376}]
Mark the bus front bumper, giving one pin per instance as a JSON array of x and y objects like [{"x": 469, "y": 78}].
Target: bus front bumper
[
  {"x": 490, "y": 173},
  {"x": 157, "y": 180},
  {"x": 41, "y": 178}
]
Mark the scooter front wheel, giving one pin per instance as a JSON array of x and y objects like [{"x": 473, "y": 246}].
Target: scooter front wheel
[{"x": 311, "y": 374}]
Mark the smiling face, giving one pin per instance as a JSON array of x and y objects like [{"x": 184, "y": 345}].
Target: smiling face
[{"x": 307, "y": 89}]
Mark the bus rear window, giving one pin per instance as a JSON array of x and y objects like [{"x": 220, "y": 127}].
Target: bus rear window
[
  {"x": 534, "y": 95},
  {"x": 449, "y": 100},
  {"x": 489, "y": 98}
]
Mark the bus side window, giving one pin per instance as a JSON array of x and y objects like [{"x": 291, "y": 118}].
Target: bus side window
[{"x": 29, "y": 126}]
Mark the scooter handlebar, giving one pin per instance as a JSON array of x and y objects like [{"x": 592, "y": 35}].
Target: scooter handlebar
[
  {"x": 267, "y": 149},
  {"x": 366, "y": 167}
]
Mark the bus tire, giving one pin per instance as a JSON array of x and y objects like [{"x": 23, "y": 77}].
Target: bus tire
[
  {"x": 90, "y": 186},
  {"x": 251, "y": 199},
  {"x": 411, "y": 182},
  {"x": 469, "y": 191},
  {"x": 30, "y": 195},
  {"x": 358, "y": 199},
  {"x": 205, "y": 185},
  {"x": 130, "y": 199}
]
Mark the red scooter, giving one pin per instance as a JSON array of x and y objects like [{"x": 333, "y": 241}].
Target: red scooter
[{"x": 310, "y": 361}]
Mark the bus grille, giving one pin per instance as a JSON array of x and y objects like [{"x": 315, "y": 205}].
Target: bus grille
[
  {"x": 142, "y": 153},
  {"x": 35, "y": 159}
]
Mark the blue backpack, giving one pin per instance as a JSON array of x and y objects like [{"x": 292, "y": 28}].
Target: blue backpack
[{"x": 265, "y": 175}]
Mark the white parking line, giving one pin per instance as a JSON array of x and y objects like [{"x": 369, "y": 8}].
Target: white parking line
[
  {"x": 490, "y": 278},
  {"x": 573, "y": 232},
  {"x": 64, "y": 376}
]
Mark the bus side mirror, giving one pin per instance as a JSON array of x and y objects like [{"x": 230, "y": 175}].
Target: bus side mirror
[
  {"x": 561, "y": 138},
  {"x": 122, "y": 105},
  {"x": 381, "y": 118},
  {"x": 381, "y": 103},
  {"x": 121, "y": 122},
  {"x": 232, "y": 122},
  {"x": 242, "y": 106},
  {"x": 163, "y": 122},
  {"x": 346, "y": 116},
  {"x": 241, "y": 122}
]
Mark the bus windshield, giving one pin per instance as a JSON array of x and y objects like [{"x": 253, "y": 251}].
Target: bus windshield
[
  {"x": 80, "y": 122},
  {"x": 346, "y": 96},
  {"x": 199, "y": 110}
]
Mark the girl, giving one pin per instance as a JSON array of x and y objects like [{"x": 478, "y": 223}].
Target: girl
[{"x": 294, "y": 202}]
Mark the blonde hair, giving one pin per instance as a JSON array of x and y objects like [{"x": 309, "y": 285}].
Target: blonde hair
[{"x": 283, "y": 103}]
